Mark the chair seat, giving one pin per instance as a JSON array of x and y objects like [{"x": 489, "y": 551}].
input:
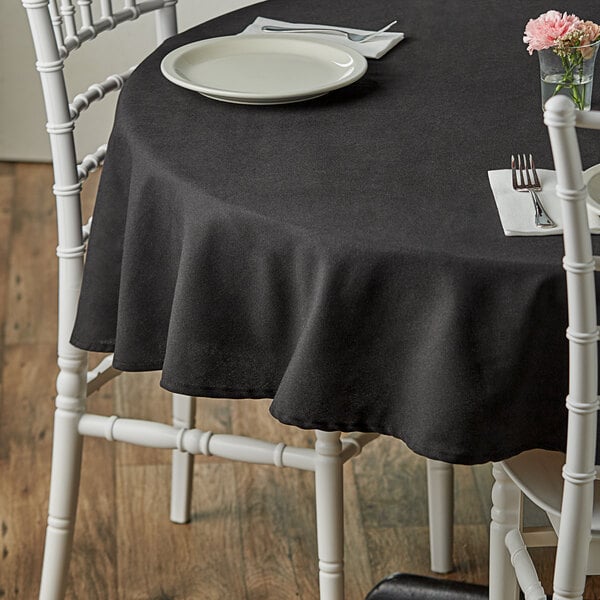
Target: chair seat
[
  {"x": 538, "y": 474},
  {"x": 403, "y": 586}
]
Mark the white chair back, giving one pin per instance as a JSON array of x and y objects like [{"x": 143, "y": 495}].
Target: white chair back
[
  {"x": 57, "y": 32},
  {"x": 579, "y": 263},
  {"x": 561, "y": 485}
]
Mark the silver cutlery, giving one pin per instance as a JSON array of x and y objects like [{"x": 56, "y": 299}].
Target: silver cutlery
[
  {"x": 525, "y": 179},
  {"x": 353, "y": 37}
]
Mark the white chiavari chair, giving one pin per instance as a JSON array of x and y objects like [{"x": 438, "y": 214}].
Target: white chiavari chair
[
  {"x": 59, "y": 28},
  {"x": 561, "y": 485}
]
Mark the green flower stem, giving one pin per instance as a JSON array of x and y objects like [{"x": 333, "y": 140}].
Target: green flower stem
[{"x": 571, "y": 62}]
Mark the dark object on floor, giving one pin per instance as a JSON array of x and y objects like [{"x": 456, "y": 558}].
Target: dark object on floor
[{"x": 403, "y": 586}]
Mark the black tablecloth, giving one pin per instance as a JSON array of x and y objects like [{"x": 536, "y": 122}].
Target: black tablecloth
[{"x": 343, "y": 256}]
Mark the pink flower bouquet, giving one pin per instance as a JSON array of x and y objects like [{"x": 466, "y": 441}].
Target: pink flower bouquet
[{"x": 567, "y": 46}]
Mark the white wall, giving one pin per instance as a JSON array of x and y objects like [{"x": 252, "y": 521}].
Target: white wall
[{"x": 22, "y": 132}]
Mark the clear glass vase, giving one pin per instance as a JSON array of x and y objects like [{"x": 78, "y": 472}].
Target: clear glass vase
[{"x": 569, "y": 72}]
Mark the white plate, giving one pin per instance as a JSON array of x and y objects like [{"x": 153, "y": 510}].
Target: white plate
[
  {"x": 592, "y": 180},
  {"x": 258, "y": 69}
]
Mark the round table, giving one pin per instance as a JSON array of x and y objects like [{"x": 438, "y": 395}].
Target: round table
[{"x": 342, "y": 256}]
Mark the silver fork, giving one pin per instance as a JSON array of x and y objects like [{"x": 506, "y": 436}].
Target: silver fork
[
  {"x": 353, "y": 37},
  {"x": 525, "y": 179}
]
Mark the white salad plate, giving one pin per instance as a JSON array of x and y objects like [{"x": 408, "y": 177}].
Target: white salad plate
[
  {"x": 592, "y": 180},
  {"x": 260, "y": 69}
]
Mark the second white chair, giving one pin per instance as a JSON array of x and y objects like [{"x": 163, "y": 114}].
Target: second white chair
[{"x": 561, "y": 485}]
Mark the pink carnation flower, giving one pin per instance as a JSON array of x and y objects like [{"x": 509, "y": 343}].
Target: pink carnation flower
[
  {"x": 590, "y": 32},
  {"x": 543, "y": 32}
]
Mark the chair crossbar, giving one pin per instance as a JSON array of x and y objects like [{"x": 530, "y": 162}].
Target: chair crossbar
[
  {"x": 195, "y": 441},
  {"x": 103, "y": 372},
  {"x": 353, "y": 443},
  {"x": 97, "y": 91},
  {"x": 540, "y": 537},
  {"x": 527, "y": 576},
  {"x": 91, "y": 162},
  {"x": 587, "y": 119},
  {"x": 86, "y": 230}
]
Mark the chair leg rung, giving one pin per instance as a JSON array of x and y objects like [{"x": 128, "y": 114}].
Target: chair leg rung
[
  {"x": 524, "y": 568},
  {"x": 101, "y": 375},
  {"x": 195, "y": 441}
]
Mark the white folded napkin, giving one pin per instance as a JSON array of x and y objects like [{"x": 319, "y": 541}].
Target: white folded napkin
[
  {"x": 373, "y": 48},
  {"x": 516, "y": 208}
]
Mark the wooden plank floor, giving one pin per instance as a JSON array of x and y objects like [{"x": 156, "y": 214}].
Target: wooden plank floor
[{"x": 252, "y": 533}]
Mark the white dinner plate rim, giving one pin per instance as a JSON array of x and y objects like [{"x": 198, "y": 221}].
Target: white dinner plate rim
[
  {"x": 593, "y": 203},
  {"x": 358, "y": 60}
]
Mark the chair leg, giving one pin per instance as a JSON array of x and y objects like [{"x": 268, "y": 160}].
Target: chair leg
[
  {"x": 507, "y": 508},
  {"x": 64, "y": 481},
  {"x": 330, "y": 514},
  {"x": 575, "y": 526},
  {"x": 440, "y": 495},
  {"x": 182, "y": 473}
]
